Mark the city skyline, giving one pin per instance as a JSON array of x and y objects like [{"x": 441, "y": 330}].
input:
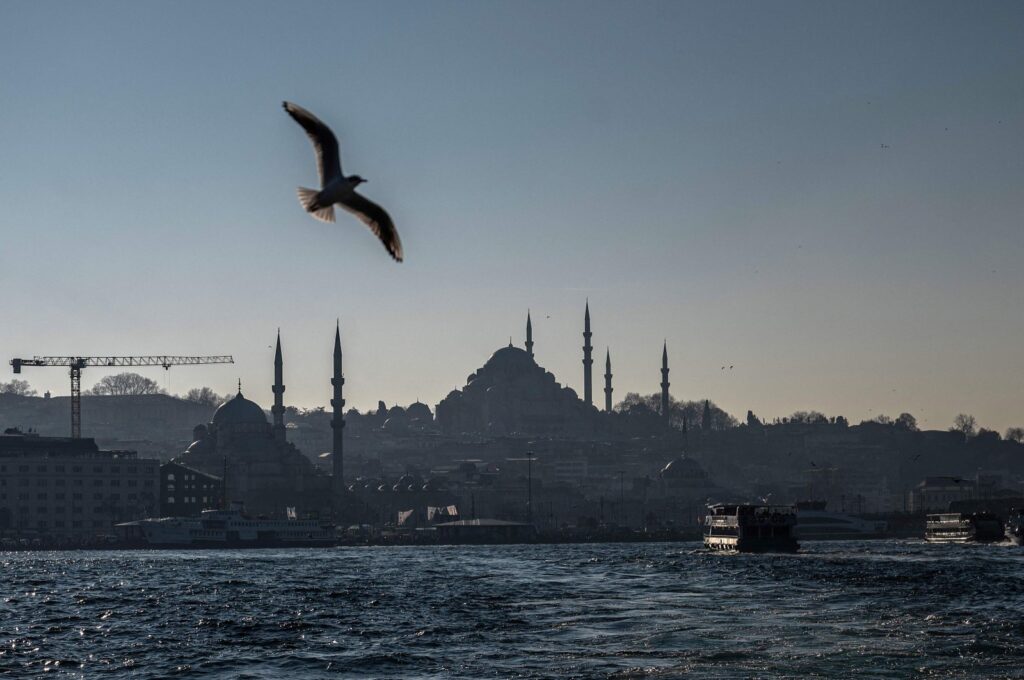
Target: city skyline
[{"x": 844, "y": 231}]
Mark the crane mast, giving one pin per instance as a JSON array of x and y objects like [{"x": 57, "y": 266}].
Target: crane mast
[{"x": 76, "y": 364}]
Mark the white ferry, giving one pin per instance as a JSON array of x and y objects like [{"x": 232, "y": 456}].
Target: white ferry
[
  {"x": 226, "y": 529},
  {"x": 750, "y": 528},
  {"x": 815, "y": 523},
  {"x": 958, "y": 527}
]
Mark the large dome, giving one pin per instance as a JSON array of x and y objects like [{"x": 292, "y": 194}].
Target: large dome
[
  {"x": 239, "y": 411},
  {"x": 510, "y": 361}
]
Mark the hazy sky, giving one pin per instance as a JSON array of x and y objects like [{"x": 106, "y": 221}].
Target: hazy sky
[{"x": 827, "y": 196}]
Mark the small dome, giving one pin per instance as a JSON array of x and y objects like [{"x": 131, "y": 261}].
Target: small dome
[
  {"x": 435, "y": 484},
  {"x": 395, "y": 424},
  {"x": 239, "y": 411},
  {"x": 199, "y": 447},
  {"x": 682, "y": 468}
]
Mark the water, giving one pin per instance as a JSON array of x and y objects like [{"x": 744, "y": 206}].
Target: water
[{"x": 880, "y": 609}]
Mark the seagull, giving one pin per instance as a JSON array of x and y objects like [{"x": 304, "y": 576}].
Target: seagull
[{"x": 336, "y": 187}]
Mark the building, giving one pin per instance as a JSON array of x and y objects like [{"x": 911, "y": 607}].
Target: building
[
  {"x": 68, "y": 490},
  {"x": 934, "y": 494},
  {"x": 262, "y": 469},
  {"x": 186, "y": 492}
]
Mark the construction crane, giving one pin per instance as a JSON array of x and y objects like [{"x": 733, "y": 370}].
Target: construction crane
[{"x": 76, "y": 364}]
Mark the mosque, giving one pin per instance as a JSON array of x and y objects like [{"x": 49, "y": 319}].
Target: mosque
[
  {"x": 261, "y": 468},
  {"x": 511, "y": 394}
]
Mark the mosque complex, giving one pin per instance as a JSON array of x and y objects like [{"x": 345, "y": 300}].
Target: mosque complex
[{"x": 509, "y": 407}]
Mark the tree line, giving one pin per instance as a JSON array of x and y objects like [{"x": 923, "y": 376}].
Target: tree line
[
  {"x": 682, "y": 414},
  {"x": 121, "y": 385}
]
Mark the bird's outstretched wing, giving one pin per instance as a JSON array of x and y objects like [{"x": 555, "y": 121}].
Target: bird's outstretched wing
[
  {"x": 328, "y": 156},
  {"x": 377, "y": 219}
]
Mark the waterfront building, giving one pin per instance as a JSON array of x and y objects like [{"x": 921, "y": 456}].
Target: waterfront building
[
  {"x": 69, "y": 490},
  {"x": 934, "y": 494}
]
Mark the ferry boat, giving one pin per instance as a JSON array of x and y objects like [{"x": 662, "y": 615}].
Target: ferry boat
[
  {"x": 959, "y": 527},
  {"x": 815, "y": 523},
  {"x": 750, "y": 528},
  {"x": 226, "y": 529},
  {"x": 1015, "y": 526}
]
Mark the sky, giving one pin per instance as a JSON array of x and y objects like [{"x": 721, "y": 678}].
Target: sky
[{"x": 825, "y": 196}]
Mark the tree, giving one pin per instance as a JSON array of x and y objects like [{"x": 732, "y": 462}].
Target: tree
[
  {"x": 690, "y": 412},
  {"x": 809, "y": 417},
  {"x": 204, "y": 396},
  {"x": 907, "y": 422},
  {"x": 989, "y": 436},
  {"x": 18, "y": 387},
  {"x": 965, "y": 423},
  {"x": 1014, "y": 434},
  {"x": 126, "y": 384}
]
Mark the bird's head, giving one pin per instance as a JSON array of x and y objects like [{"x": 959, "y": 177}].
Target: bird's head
[{"x": 356, "y": 180}]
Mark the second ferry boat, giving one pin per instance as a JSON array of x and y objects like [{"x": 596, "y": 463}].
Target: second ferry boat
[
  {"x": 815, "y": 523},
  {"x": 750, "y": 528},
  {"x": 959, "y": 527}
]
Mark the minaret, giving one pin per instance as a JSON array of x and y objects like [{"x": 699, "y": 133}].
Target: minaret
[
  {"x": 588, "y": 388},
  {"x": 664, "y": 381},
  {"x": 608, "y": 381},
  {"x": 529, "y": 335},
  {"x": 338, "y": 417},
  {"x": 705, "y": 420},
  {"x": 278, "y": 408}
]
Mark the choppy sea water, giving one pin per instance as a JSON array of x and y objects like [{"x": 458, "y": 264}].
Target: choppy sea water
[{"x": 879, "y": 609}]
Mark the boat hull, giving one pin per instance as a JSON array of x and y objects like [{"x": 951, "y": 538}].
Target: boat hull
[{"x": 733, "y": 544}]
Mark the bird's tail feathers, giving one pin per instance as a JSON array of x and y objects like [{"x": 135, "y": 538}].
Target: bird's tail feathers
[{"x": 307, "y": 197}]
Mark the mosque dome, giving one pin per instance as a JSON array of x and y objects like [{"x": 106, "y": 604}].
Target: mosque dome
[
  {"x": 200, "y": 447},
  {"x": 419, "y": 410},
  {"x": 435, "y": 484},
  {"x": 510, "y": 361},
  {"x": 239, "y": 411},
  {"x": 407, "y": 482},
  {"x": 683, "y": 468}
]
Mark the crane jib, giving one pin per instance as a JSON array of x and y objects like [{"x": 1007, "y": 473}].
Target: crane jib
[{"x": 76, "y": 364}]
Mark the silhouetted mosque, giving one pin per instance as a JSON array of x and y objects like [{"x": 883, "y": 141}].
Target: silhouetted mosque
[
  {"x": 262, "y": 469},
  {"x": 512, "y": 394}
]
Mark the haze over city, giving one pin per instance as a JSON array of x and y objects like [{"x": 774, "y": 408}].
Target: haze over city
[{"x": 843, "y": 229}]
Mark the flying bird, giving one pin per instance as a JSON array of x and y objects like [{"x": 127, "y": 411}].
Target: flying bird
[{"x": 335, "y": 187}]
